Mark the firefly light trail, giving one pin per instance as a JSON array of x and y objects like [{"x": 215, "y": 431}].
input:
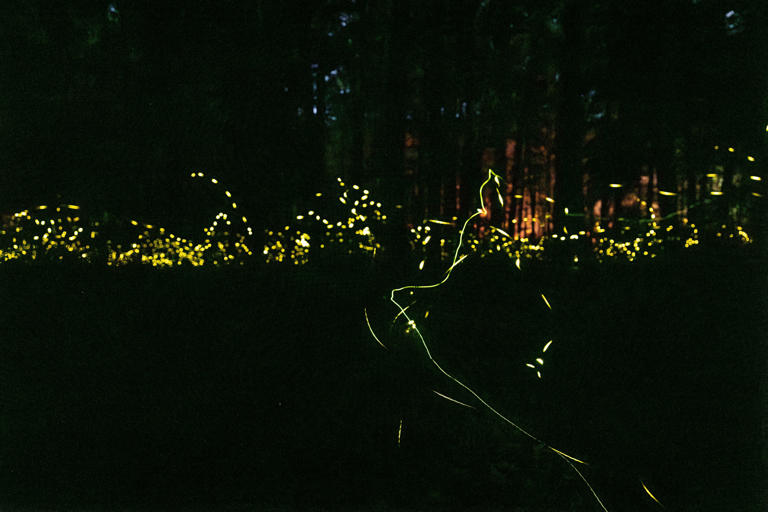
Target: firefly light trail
[
  {"x": 650, "y": 493},
  {"x": 412, "y": 325}
]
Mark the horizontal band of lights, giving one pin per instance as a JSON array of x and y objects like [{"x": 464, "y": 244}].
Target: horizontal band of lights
[
  {"x": 64, "y": 233},
  {"x": 356, "y": 230}
]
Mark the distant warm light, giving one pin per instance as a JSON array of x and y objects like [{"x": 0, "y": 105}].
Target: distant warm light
[
  {"x": 566, "y": 210},
  {"x": 549, "y": 199},
  {"x": 614, "y": 185},
  {"x": 665, "y": 193},
  {"x": 731, "y": 150},
  {"x": 717, "y": 147},
  {"x": 755, "y": 178},
  {"x": 73, "y": 207},
  {"x": 712, "y": 175},
  {"x": 716, "y": 193},
  {"x": 751, "y": 158}
]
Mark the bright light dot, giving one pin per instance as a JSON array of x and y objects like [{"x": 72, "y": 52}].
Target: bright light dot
[
  {"x": 214, "y": 181},
  {"x": 751, "y": 158},
  {"x": 755, "y": 178},
  {"x": 540, "y": 361},
  {"x": 421, "y": 265},
  {"x": 234, "y": 205},
  {"x": 614, "y": 185},
  {"x": 731, "y": 150}
]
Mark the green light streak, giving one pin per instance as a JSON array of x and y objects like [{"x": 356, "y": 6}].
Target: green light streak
[
  {"x": 412, "y": 324},
  {"x": 368, "y": 323},
  {"x": 451, "y": 399}
]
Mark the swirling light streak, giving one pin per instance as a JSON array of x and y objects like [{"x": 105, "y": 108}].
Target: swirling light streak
[{"x": 414, "y": 328}]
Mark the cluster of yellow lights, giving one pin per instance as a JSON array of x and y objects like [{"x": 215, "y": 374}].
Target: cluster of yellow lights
[
  {"x": 736, "y": 234},
  {"x": 639, "y": 246},
  {"x": 30, "y": 235},
  {"x": 352, "y": 230},
  {"x": 626, "y": 244},
  {"x": 56, "y": 233},
  {"x": 287, "y": 246},
  {"x": 498, "y": 241}
]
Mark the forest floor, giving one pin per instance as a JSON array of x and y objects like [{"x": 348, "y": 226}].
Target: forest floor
[{"x": 262, "y": 388}]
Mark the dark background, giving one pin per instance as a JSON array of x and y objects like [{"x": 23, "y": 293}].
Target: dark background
[
  {"x": 261, "y": 387},
  {"x": 112, "y": 104},
  {"x": 255, "y": 388}
]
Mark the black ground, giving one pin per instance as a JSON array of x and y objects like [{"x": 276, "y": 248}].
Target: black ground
[{"x": 259, "y": 388}]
